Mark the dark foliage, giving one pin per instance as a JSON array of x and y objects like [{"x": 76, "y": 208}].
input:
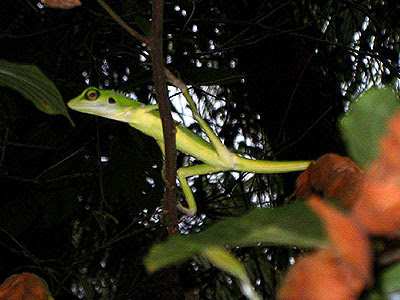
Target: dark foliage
[{"x": 282, "y": 69}]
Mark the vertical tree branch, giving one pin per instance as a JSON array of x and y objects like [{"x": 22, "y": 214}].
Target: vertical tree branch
[
  {"x": 169, "y": 130},
  {"x": 154, "y": 45},
  {"x": 169, "y": 203}
]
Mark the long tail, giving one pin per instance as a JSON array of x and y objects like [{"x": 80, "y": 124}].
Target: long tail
[{"x": 269, "y": 166}]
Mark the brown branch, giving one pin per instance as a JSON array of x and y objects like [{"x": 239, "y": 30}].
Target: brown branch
[
  {"x": 160, "y": 74},
  {"x": 160, "y": 86},
  {"x": 169, "y": 203}
]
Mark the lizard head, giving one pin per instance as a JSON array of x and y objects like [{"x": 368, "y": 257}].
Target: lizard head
[{"x": 104, "y": 103}]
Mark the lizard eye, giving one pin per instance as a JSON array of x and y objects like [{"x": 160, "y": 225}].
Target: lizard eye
[{"x": 92, "y": 95}]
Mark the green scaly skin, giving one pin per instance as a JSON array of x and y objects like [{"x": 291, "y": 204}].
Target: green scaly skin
[{"x": 146, "y": 118}]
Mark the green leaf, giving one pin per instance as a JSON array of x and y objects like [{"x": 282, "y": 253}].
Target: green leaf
[
  {"x": 30, "y": 82},
  {"x": 291, "y": 225},
  {"x": 390, "y": 282},
  {"x": 363, "y": 125},
  {"x": 225, "y": 261}
]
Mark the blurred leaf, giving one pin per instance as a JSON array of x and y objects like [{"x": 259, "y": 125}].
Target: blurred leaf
[
  {"x": 227, "y": 262},
  {"x": 373, "y": 295},
  {"x": 390, "y": 282},
  {"x": 365, "y": 122},
  {"x": 25, "y": 286},
  {"x": 63, "y": 4},
  {"x": 30, "y": 82},
  {"x": 294, "y": 224}
]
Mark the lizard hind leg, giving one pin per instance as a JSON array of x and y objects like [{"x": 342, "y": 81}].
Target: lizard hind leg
[
  {"x": 192, "y": 207},
  {"x": 183, "y": 174}
]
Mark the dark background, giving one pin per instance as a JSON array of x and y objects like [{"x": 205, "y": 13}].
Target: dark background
[{"x": 284, "y": 70}]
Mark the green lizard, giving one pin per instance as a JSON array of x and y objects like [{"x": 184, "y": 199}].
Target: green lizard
[{"x": 146, "y": 118}]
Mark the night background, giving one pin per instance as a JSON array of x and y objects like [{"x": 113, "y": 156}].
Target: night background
[{"x": 80, "y": 206}]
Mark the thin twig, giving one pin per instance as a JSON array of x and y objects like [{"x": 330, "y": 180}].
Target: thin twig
[
  {"x": 22, "y": 145},
  {"x": 123, "y": 24},
  {"x": 299, "y": 138},
  {"x": 190, "y": 17},
  {"x": 59, "y": 163},
  {"x": 3, "y": 153},
  {"x": 24, "y": 251},
  {"x": 103, "y": 199},
  {"x": 47, "y": 181}
]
